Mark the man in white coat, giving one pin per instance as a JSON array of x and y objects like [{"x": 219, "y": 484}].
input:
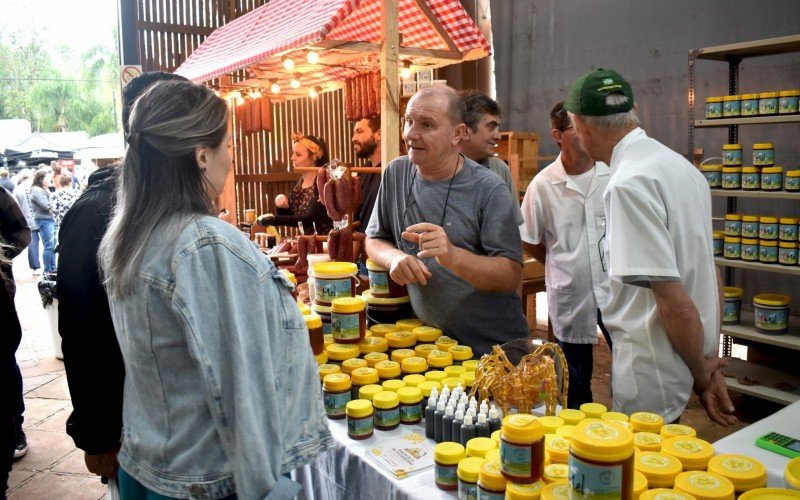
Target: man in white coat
[
  {"x": 564, "y": 225},
  {"x": 663, "y": 304}
]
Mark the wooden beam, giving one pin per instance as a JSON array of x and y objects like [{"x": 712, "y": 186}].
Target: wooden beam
[
  {"x": 443, "y": 36},
  {"x": 390, "y": 82},
  {"x": 174, "y": 28},
  {"x": 366, "y": 47},
  {"x": 278, "y": 177}
]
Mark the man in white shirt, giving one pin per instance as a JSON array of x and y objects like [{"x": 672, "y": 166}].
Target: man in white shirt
[
  {"x": 662, "y": 308},
  {"x": 563, "y": 228}
]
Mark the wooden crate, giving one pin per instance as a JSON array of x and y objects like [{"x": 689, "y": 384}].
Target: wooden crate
[{"x": 521, "y": 151}]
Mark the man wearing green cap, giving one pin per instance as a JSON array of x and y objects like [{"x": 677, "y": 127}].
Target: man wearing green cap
[{"x": 663, "y": 309}]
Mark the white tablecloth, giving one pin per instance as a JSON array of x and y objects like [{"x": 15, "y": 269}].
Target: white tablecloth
[
  {"x": 346, "y": 472},
  {"x": 785, "y": 421}
]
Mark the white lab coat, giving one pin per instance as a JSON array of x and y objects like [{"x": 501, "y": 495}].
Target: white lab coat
[
  {"x": 571, "y": 225},
  {"x": 658, "y": 210}
]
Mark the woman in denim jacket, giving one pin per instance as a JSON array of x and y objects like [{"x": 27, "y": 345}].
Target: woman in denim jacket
[{"x": 221, "y": 391}]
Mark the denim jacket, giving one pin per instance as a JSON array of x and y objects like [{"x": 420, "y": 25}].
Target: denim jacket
[{"x": 221, "y": 391}]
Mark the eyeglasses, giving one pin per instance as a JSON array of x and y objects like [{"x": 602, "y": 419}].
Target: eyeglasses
[{"x": 602, "y": 252}]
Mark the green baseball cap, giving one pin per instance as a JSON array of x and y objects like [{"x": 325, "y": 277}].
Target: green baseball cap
[{"x": 587, "y": 96}]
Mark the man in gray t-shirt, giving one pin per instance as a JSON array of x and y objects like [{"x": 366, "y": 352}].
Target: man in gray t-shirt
[{"x": 445, "y": 227}]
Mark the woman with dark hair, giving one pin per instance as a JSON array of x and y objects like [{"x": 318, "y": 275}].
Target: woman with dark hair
[
  {"x": 43, "y": 216},
  {"x": 302, "y": 204},
  {"x": 221, "y": 395}
]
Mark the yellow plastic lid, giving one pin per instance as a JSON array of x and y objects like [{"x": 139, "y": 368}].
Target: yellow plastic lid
[
  {"x": 342, "y": 352},
  {"x": 767, "y": 95},
  {"x": 373, "y": 358},
  {"x": 422, "y": 350},
  {"x": 444, "y": 343},
  {"x": 326, "y": 369},
  {"x": 472, "y": 364},
  {"x": 388, "y": 369},
  {"x": 491, "y": 477},
  {"x": 461, "y": 353},
  {"x": 477, "y": 447},
  {"x": 749, "y": 218},
  {"x": 560, "y": 490},
  {"x": 748, "y": 241},
  {"x": 792, "y": 473},
  {"x": 728, "y": 98},
  {"x": 704, "y": 485},
  {"x": 347, "y": 305},
  {"x": 320, "y": 308},
  {"x": 763, "y": 145},
  {"x": 660, "y": 469},
  {"x": 369, "y": 391},
  {"x": 400, "y": 354},
  {"x": 733, "y": 217},
  {"x": 453, "y": 382},
  {"x": 639, "y": 484},
  {"x": 454, "y": 370},
  {"x": 426, "y": 333},
  {"x": 599, "y": 440},
  {"x": 373, "y": 344},
  {"x": 788, "y": 220},
  {"x": 436, "y": 375},
  {"x": 666, "y": 494},
  {"x": 557, "y": 447},
  {"x": 496, "y": 437},
  {"x": 364, "y": 375},
  {"x": 334, "y": 270},
  {"x": 593, "y": 410},
  {"x": 771, "y": 170},
  {"x": 439, "y": 359},
  {"x": 517, "y": 491},
  {"x": 793, "y": 173},
  {"x": 468, "y": 378},
  {"x": 468, "y": 468},
  {"x": 624, "y": 425},
  {"x": 788, "y": 244},
  {"x": 521, "y": 428},
  {"x": 351, "y": 364},
  {"x": 768, "y": 243},
  {"x": 401, "y": 339},
  {"x": 716, "y": 235},
  {"x": 550, "y": 423},
  {"x": 414, "y": 379},
  {"x": 321, "y": 358},
  {"x": 555, "y": 472},
  {"x": 772, "y": 299},
  {"x": 749, "y": 96},
  {"x": 731, "y": 170},
  {"x": 646, "y": 421},
  {"x": 448, "y": 453},
  {"x": 493, "y": 454},
  {"x": 312, "y": 321},
  {"x": 750, "y": 170},
  {"x": 768, "y": 220},
  {"x": 409, "y": 323},
  {"x": 336, "y": 382},
  {"x": 770, "y": 494},
  {"x": 305, "y": 309},
  {"x": 713, "y": 99},
  {"x": 408, "y": 395},
  {"x": 328, "y": 339},
  {"x": 694, "y": 453},
  {"x": 385, "y": 400},
  {"x": 413, "y": 364},
  {"x": 647, "y": 441},
  {"x": 789, "y": 93},
  {"x": 733, "y": 239},
  {"x": 373, "y": 266},
  {"x": 570, "y": 416},
  {"x": 358, "y": 408},
  {"x": 744, "y": 472},
  {"x": 676, "y": 430},
  {"x": 380, "y": 330},
  {"x": 565, "y": 431},
  {"x": 427, "y": 386},
  {"x": 730, "y": 293},
  {"x": 731, "y": 146},
  {"x": 614, "y": 415},
  {"x": 711, "y": 167}
]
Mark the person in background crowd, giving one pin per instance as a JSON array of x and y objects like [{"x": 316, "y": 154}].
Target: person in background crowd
[
  {"x": 564, "y": 224},
  {"x": 445, "y": 226},
  {"x": 240, "y": 404},
  {"x": 63, "y": 198},
  {"x": 43, "y": 217},
  {"x": 367, "y": 145},
  {"x": 303, "y": 204},
  {"x": 55, "y": 170},
  {"x": 5, "y": 182},
  {"x": 663, "y": 303},
  {"x": 14, "y": 237},
  {"x": 92, "y": 359},
  {"x": 21, "y": 195},
  {"x": 479, "y": 143}
]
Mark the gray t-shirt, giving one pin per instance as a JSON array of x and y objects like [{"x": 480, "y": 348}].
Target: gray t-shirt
[
  {"x": 499, "y": 167},
  {"x": 479, "y": 217}
]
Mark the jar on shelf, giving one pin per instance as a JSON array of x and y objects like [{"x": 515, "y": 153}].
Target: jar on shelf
[
  {"x": 719, "y": 242},
  {"x": 732, "y": 155},
  {"x": 713, "y": 107},
  {"x": 348, "y": 320},
  {"x": 767, "y": 103},
  {"x": 768, "y": 228},
  {"x": 772, "y": 178},
  {"x": 731, "y": 177},
  {"x": 749, "y": 104},
  {"x": 731, "y": 106},
  {"x": 771, "y": 312},
  {"x": 386, "y": 311},
  {"x": 751, "y": 178},
  {"x": 791, "y": 181},
  {"x": 733, "y": 305},
  {"x": 750, "y": 249},
  {"x": 763, "y": 154},
  {"x": 733, "y": 225},
  {"x": 713, "y": 175},
  {"x": 787, "y": 253},
  {"x": 788, "y": 102},
  {"x": 787, "y": 228},
  {"x": 768, "y": 251},
  {"x": 749, "y": 226}
]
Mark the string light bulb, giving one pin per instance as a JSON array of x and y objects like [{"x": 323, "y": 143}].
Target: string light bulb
[
  {"x": 255, "y": 94},
  {"x": 313, "y": 93},
  {"x": 312, "y": 57},
  {"x": 288, "y": 63},
  {"x": 274, "y": 87},
  {"x": 405, "y": 72},
  {"x": 237, "y": 97},
  {"x": 295, "y": 81}
]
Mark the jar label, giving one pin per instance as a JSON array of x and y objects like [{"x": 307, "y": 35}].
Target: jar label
[
  {"x": 793, "y": 183},
  {"x": 595, "y": 481},
  {"x": 731, "y": 108},
  {"x": 763, "y": 156},
  {"x": 732, "y": 157},
  {"x": 733, "y": 250},
  {"x": 751, "y": 181},
  {"x": 714, "y": 179},
  {"x": 731, "y": 311},
  {"x": 749, "y": 252},
  {"x": 713, "y": 110},
  {"x": 768, "y": 254},
  {"x": 346, "y": 326},
  {"x": 750, "y": 229},
  {"x": 767, "y": 106},
  {"x": 788, "y": 232},
  {"x": 733, "y": 228},
  {"x": 750, "y": 107},
  {"x": 771, "y": 181},
  {"x": 487, "y": 495},
  {"x": 772, "y": 319},
  {"x": 388, "y": 418},
  {"x": 515, "y": 460},
  {"x": 788, "y": 256},
  {"x": 768, "y": 231},
  {"x": 787, "y": 104},
  {"x": 360, "y": 426},
  {"x": 446, "y": 475},
  {"x": 335, "y": 403},
  {"x": 467, "y": 491},
  {"x": 327, "y": 290},
  {"x": 718, "y": 244},
  {"x": 379, "y": 281},
  {"x": 410, "y": 413}
]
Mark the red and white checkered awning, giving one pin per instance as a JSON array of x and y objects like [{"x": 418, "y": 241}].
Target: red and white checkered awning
[{"x": 259, "y": 39}]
